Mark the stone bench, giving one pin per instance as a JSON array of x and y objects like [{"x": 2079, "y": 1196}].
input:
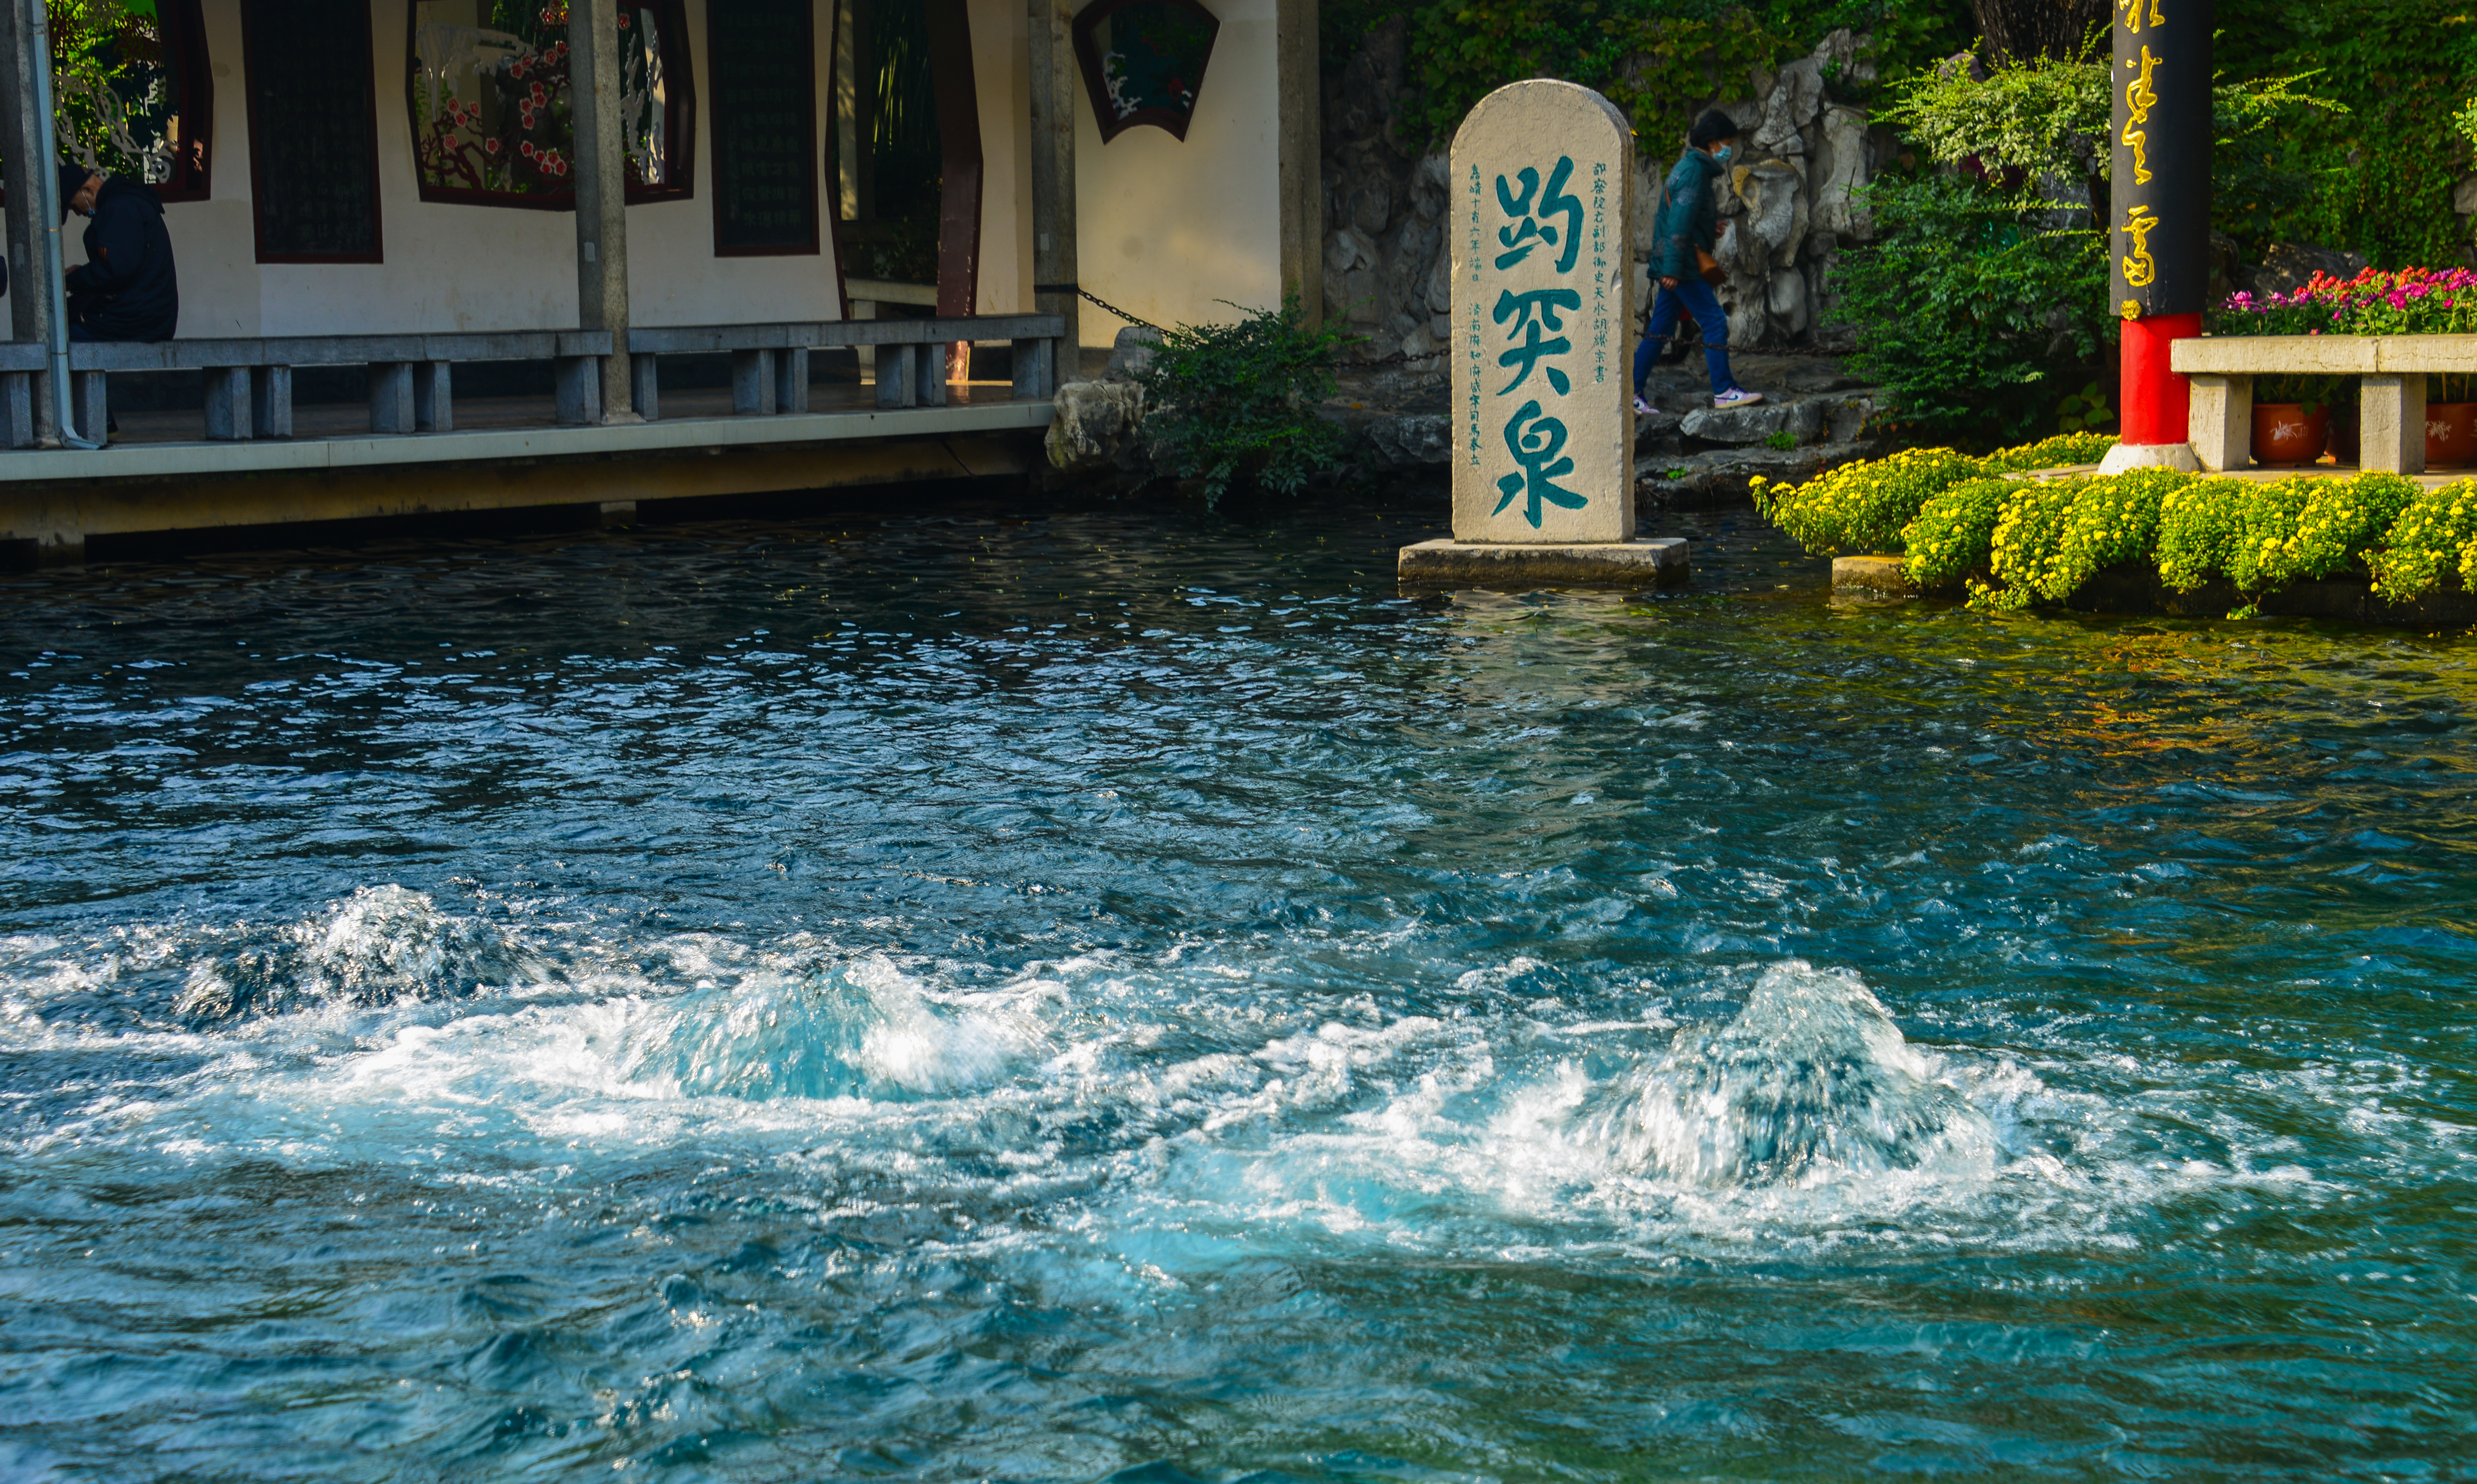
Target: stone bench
[
  {"x": 769, "y": 363},
  {"x": 2391, "y": 404},
  {"x": 249, "y": 382}
]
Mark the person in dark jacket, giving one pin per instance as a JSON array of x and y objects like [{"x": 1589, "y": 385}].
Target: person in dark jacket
[
  {"x": 126, "y": 289},
  {"x": 1688, "y": 220}
]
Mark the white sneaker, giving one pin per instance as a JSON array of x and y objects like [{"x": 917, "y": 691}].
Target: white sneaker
[
  {"x": 1646, "y": 408},
  {"x": 1736, "y": 397}
]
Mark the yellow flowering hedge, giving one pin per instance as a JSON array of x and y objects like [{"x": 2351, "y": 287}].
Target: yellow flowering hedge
[
  {"x": 2052, "y": 538},
  {"x": 2436, "y": 534},
  {"x": 2014, "y": 541},
  {"x": 1955, "y": 529},
  {"x": 1864, "y": 508}
]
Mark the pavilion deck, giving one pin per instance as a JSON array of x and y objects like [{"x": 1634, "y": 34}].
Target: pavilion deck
[{"x": 251, "y": 456}]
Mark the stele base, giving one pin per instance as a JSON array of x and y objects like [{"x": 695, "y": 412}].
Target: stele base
[
  {"x": 1645, "y": 562},
  {"x": 2150, "y": 456}
]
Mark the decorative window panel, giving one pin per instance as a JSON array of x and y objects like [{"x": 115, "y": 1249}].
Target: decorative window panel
[
  {"x": 313, "y": 130},
  {"x": 761, "y": 65},
  {"x": 1144, "y": 61},
  {"x": 493, "y": 123}
]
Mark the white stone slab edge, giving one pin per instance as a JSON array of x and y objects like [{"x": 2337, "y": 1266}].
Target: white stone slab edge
[{"x": 2124, "y": 456}]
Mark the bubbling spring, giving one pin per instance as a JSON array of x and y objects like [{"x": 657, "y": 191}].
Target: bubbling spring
[{"x": 982, "y": 992}]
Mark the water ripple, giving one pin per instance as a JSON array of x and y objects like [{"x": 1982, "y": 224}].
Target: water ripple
[{"x": 1106, "y": 992}]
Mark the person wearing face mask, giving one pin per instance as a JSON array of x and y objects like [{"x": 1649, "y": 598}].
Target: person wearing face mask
[{"x": 1688, "y": 220}]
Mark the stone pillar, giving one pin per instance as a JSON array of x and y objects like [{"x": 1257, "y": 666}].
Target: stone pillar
[
  {"x": 2221, "y": 422},
  {"x": 2160, "y": 203},
  {"x": 2390, "y": 423},
  {"x": 593, "y": 44},
  {"x": 1300, "y": 146},
  {"x": 30, "y": 306},
  {"x": 1053, "y": 174},
  {"x": 1542, "y": 178}
]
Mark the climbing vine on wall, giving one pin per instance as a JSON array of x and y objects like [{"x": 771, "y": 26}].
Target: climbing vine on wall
[{"x": 2383, "y": 171}]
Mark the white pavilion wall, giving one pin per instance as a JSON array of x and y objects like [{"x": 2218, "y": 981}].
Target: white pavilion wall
[
  {"x": 1002, "y": 82},
  {"x": 452, "y": 266},
  {"x": 1170, "y": 228}
]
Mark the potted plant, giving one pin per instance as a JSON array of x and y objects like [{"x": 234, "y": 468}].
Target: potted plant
[
  {"x": 2291, "y": 418},
  {"x": 2376, "y": 301},
  {"x": 2450, "y": 423}
]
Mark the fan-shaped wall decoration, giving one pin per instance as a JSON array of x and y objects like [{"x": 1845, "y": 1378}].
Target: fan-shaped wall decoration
[{"x": 1144, "y": 61}]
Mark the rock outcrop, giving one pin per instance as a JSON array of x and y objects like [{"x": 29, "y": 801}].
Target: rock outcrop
[
  {"x": 1790, "y": 201},
  {"x": 1096, "y": 425}
]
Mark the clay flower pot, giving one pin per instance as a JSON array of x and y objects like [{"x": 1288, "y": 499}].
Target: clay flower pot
[
  {"x": 2451, "y": 435},
  {"x": 2285, "y": 433}
]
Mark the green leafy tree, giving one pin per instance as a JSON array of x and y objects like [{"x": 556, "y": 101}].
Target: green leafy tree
[
  {"x": 2035, "y": 125},
  {"x": 1655, "y": 59},
  {"x": 2377, "y": 177}
]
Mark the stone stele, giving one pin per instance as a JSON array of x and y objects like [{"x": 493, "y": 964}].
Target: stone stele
[{"x": 1542, "y": 346}]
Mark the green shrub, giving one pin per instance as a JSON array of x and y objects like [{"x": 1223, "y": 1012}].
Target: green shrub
[
  {"x": 1869, "y": 506},
  {"x": 2436, "y": 534},
  {"x": 2262, "y": 535},
  {"x": 1955, "y": 530},
  {"x": 1965, "y": 311},
  {"x": 1224, "y": 402},
  {"x": 2029, "y": 530},
  {"x": 2300, "y": 528}
]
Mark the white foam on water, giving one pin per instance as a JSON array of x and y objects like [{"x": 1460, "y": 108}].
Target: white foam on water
[{"x": 1186, "y": 1104}]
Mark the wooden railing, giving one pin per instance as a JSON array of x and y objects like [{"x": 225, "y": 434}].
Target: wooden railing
[{"x": 249, "y": 382}]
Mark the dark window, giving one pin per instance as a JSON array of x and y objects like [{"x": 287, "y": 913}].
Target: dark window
[
  {"x": 760, "y": 65},
  {"x": 488, "y": 88},
  {"x": 889, "y": 154},
  {"x": 313, "y": 129}
]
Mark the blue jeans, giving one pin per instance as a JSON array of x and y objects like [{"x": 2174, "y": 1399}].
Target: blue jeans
[{"x": 1692, "y": 294}]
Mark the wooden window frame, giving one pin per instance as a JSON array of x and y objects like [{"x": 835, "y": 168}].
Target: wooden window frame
[{"x": 258, "y": 167}]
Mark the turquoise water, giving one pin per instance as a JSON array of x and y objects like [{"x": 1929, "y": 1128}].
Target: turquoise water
[{"x": 1003, "y": 993}]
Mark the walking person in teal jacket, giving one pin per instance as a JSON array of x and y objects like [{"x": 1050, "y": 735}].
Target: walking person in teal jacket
[{"x": 1687, "y": 220}]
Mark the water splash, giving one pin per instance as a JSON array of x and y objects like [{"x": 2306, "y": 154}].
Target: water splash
[
  {"x": 857, "y": 1028},
  {"x": 1810, "y": 1083},
  {"x": 382, "y": 945}
]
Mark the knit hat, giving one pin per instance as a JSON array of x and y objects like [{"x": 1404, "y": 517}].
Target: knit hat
[{"x": 73, "y": 179}]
